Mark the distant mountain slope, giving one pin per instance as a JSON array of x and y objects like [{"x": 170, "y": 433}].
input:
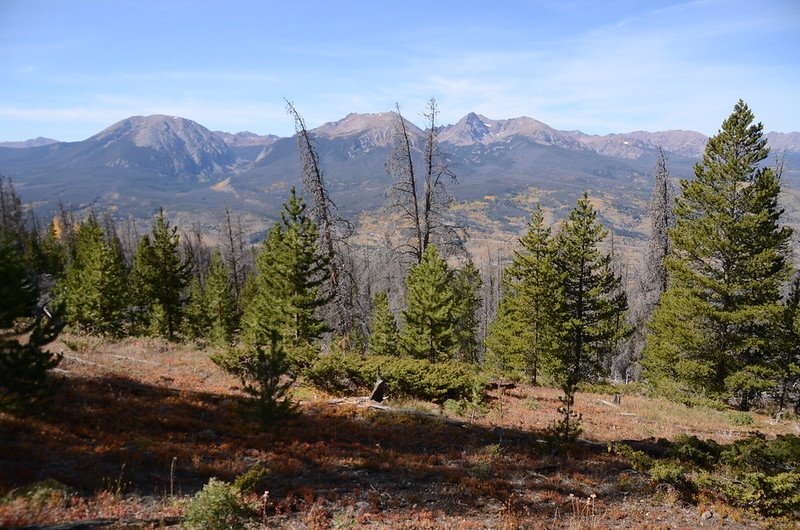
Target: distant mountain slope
[
  {"x": 171, "y": 147},
  {"x": 474, "y": 129},
  {"x": 246, "y": 138},
  {"x": 143, "y": 162},
  {"x": 35, "y": 142}
]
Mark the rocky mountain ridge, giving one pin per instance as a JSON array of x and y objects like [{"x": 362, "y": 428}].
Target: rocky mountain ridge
[
  {"x": 143, "y": 162},
  {"x": 33, "y": 142}
]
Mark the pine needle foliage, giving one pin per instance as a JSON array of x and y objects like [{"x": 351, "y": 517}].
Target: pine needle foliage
[
  {"x": 592, "y": 315},
  {"x": 287, "y": 289},
  {"x": 384, "y": 337},
  {"x": 94, "y": 291},
  {"x": 218, "y": 294},
  {"x": 161, "y": 274},
  {"x": 712, "y": 335},
  {"x": 24, "y": 366},
  {"x": 527, "y": 329},
  {"x": 428, "y": 321},
  {"x": 264, "y": 374},
  {"x": 466, "y": 284}
]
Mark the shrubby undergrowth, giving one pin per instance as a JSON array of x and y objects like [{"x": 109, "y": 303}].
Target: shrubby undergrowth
[
  {"x": 404, "y": 376},
  {"x": 753, "y": 473}
]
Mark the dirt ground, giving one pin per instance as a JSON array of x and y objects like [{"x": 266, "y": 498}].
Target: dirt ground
[{"x": 138, "y": 426}]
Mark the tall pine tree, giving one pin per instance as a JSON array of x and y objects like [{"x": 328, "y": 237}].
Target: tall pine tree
[
  {"x": 712, "y": 333},
  {"x": 786, "y": 364},
  {"x": 508, "y": 340},
  {"x": 466, "y": 284},
  {"x": 592, "y": 314},
  {"x": 290, "y": 271},
  {"x": 538, "y": 287},
  {"x": 196, "y": 318},
  {"x": 218, "y": 295},
  {"x": 161, "y": 273}
]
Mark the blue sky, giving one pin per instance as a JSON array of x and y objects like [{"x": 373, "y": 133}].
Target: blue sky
[{"x": 71, "y": 68}]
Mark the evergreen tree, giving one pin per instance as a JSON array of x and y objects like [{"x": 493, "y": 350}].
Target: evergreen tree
[
  {"x": 24, "y": 366},
  {"x": 162, "y": 274},
  {"x": 219, "y": 302},
  {"x": 713, "y": 331},
  {"x": 52, "y": 256},
  {"x": 263, "y": 371},
  {"x": 508, "y": 339},
  {"x": 539, "y": 291},
  {"x": 140, "y": 295},
  {"x": 290, "y": 270},
  {"x": 466, "y": 283},
  {"x": 94, "y": 290},
  {"x": 384, "y": 337},
  {"x": 593, "y": 307},
  {"x": 196, "y": 318},
  {"x": 786, "y": 363},
  {"x": 429, "y": 327}
]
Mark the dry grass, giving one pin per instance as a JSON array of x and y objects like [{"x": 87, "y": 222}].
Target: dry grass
[{"x": 128, "y": 409}]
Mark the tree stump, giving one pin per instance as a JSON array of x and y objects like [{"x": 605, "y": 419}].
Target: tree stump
[{"x": 378, "y": 391}]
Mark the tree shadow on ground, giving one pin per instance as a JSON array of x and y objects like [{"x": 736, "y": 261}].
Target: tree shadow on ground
[{"x": 124, "y": 435}]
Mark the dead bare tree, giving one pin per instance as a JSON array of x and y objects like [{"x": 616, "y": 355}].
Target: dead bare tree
[
  {"x": 11, "y": 216},
  {"x": 233, "y": 249},
  {"x": 129, "y": 240},
  {"x": 654, "y": 279},
  {"x": 422, "y": 205},
  {"x": 662, "y": 220},
  {"x": 195, "y": 247},
  {"x": 334, "y": 230}
]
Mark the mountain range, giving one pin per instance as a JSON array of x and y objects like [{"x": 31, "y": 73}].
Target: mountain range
[{"x": 141, "y": 163}]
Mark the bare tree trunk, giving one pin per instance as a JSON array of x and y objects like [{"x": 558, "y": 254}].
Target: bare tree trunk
[
  {"x": 130, "y": 240},
  {"x": 662, "y": 220},
  {"x": 326, "y": 215},
  {"x": 403, "y": 193},
  {"x": 196, "y": 249},
  {"x": 425, "y": 214},
  {"x": 233, "y": 249}
]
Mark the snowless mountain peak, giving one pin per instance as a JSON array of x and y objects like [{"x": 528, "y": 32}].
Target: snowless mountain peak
[
  {"x": 185, "y": 148},
  {"x": 367, "y": 129}
]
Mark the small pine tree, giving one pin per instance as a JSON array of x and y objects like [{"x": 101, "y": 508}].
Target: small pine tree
[
  {"x": 94, "y": 290},
  {"x": 265, "y": 373},
  {"x": 24, "y": 368},
  {"x": 466, "y": 283},
  {"x": 384, "y": 337},
  {"x": 429, "y": 326}
]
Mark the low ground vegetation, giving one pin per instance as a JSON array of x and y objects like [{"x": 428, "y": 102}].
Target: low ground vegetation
[{"x": 143, "y": 426}]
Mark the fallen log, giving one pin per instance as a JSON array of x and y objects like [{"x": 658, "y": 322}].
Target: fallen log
[{"x": 103, "y": 523}]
